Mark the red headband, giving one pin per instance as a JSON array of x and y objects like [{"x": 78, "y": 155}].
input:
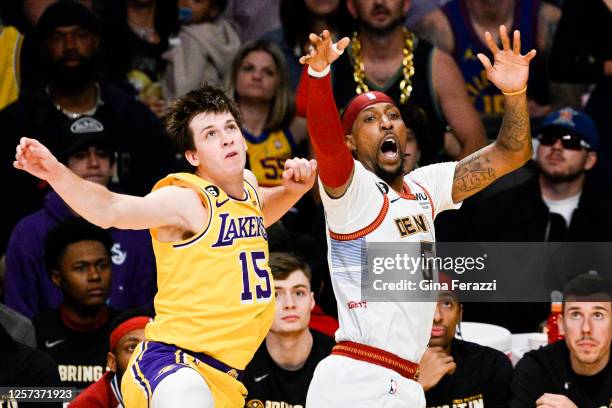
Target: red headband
[
  {"x": 359, "y": 103},
  {"x": 138, "y": 322}
]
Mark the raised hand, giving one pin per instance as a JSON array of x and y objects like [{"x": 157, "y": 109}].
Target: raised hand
[
  {"x": 33, "y": 157},
  {"x": 323, "y": 51},
  {"x": 510, "y": 69},
  {"x": 299, "y": 175}
]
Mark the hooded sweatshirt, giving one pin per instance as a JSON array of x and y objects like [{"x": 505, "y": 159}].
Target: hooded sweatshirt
[
  {"x": 28, "y": 287},
  {"x": 202, "y": 52}
]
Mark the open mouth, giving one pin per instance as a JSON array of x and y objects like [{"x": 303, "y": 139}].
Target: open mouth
[
  {"x": 389, "y": 148},
  {"x": 231, "y": 154}
]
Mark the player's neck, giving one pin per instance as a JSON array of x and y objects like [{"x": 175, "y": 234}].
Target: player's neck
[
  {"x": 490, "y": 15},
  {"x": 254, "y": 116},
  {"x": 377, "y": 46},
  {"x": 231, "y": 185},
  {"x": 555, "y": 190},
  {"x": 290, "y": 350},
  {"x": 589, "y": 369}
]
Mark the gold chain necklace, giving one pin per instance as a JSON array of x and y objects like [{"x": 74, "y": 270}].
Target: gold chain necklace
[{"x": 405, "y": 85}]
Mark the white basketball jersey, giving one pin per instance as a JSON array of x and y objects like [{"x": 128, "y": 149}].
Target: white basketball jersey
[{"x": 370, "y": 211}]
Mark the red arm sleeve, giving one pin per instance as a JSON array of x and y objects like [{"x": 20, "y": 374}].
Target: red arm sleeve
[
  {"x": 326, "y": 133},
  {"x": 301, "y": 94}
]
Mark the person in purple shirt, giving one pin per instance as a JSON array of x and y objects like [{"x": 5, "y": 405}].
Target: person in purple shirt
[{"x": 88, "y": 152}]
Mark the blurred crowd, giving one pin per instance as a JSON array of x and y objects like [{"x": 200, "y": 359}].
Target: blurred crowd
[{"x": 92, "y": 80}]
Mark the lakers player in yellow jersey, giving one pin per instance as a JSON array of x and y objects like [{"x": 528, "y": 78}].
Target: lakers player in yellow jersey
[{"x": 215, "y": 300}]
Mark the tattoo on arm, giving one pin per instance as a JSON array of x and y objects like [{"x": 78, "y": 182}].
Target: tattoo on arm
[
  {"x": 473, "y": 173},
  {"x": 514, "y": 134}
]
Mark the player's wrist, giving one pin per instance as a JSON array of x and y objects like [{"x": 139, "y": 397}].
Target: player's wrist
[
  {"x": 514, "y": 93},
  {"x": 318, "y": 73}
]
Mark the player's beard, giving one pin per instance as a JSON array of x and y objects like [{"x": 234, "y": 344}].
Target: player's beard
[
  {"x": 389, "y": 176},
  {"x": 71, "y": 79}
]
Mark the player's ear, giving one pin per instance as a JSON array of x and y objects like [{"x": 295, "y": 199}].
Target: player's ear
[
  {"x": 350, "y": 143},
  {"x": 192, "y": 158},
  {"x": 312, "y": 300}
]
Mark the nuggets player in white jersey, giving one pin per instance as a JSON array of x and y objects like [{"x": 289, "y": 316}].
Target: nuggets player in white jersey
[
  {"x": 215, "y": 300},
  {"x": 365, "y": 193}
]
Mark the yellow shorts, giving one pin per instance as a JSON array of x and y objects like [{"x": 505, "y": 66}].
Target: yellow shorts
[{"x": 151, "y": 362}]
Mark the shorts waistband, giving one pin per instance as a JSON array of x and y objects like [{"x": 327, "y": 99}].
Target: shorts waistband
[
  {"x": 214, "y": 363},
  {"x": 374, "y": 355}
]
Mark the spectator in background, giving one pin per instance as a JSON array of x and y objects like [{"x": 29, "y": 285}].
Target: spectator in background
[
  {"x": 555, "y": 205},
  {"x": 11, "y": 41},
  {"x": 203, "y": 51},
  {"x": 87, "y": 150},
  {"x": 136, "y": 34},
  {"x": 384, "y": 56},
  {"x": 31, "y": 65},
  {"x": 252, "y": 19},
  {"x": 582, "y": 53},
  {"x": 126, "y": 331},
  {"x": 281, "y": 370},
  {"x": 75, "y": 334},
  {"x": 455, "y": 371},
  {"x": 299, "y": 18},
  {"x": 24, "y": 366},
  {"x": 575, "y": 372},
  {"x": 459, "y": 29},
  {"x": 70, "y": 90},
  {"x": 259, "y": 83}
]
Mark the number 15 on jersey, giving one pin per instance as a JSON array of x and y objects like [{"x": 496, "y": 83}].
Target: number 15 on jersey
[{"x": 251, "y": 264}]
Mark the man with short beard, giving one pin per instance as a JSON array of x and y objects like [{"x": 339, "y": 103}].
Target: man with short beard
[
  {"x": 384, "y": 56},
  {"x": 368, "y": 199},
  {"x": 555, "y": 205},
  {"x": 69, "y": 90},
  {"x": 558, "y": 204}
]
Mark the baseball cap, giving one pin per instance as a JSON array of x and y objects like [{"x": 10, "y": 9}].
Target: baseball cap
[
  {"x": 82, "y": 132},
  {"x": 66, "y": 13},
  {"x": 575, "y": 122},
  {"x": 359, "y": 103}
]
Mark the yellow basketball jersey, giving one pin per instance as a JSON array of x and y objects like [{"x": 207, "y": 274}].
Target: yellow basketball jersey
[
  {"x": 267, "y": 154},
  {"x": 10, "y": 52},
  {"x": 215, "y": 290}
]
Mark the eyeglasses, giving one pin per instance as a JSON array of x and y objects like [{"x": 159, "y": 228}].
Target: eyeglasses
[{"x": 570, "y": 142}]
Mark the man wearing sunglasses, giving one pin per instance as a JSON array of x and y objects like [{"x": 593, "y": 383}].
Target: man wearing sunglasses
[{"x": 557, "y": 204}]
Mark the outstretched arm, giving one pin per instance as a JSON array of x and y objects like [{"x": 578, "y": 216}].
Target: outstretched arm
[
  {"x": 106, "y": 209},
  {"x": 326, "y": 134},
  {"x": 512, "y": 148}
]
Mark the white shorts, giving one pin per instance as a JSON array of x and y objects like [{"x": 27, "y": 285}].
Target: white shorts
[{"x": 340, "y": 381}]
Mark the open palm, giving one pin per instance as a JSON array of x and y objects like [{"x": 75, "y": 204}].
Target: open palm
[
  {"x": 323, "y": 51},
  {"x": 510, "y": 69}
]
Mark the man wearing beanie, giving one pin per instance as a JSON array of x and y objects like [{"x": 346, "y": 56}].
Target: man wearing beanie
[
  {"x": 368, "y": 199},
  {"x": 126, "y": 331},
  {"x": 69, "y": 89}
]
